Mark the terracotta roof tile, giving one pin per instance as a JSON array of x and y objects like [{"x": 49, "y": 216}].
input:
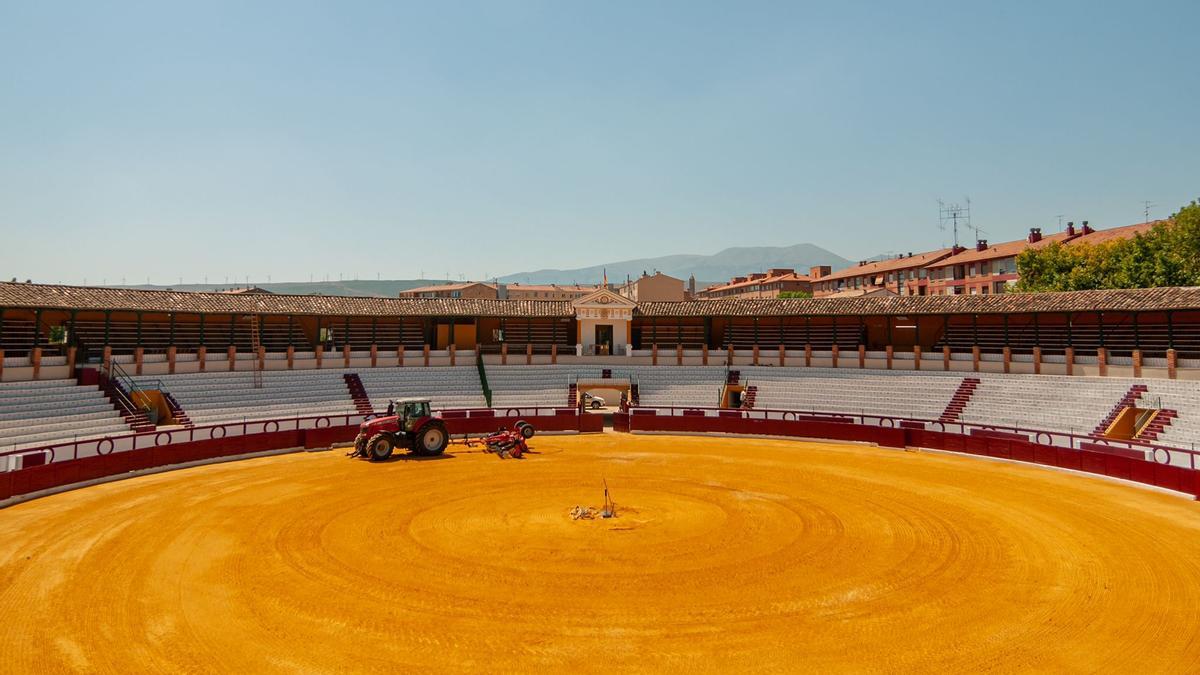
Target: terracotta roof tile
[
  {"x": 1143, "y": 299},
  {"x": 90, "y": 298},
  {"x": 889, "y": 265}
]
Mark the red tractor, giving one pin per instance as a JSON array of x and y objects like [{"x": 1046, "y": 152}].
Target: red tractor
[{"x": 407, "y": 424}]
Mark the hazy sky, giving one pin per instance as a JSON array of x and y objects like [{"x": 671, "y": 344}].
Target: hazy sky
[{"x": 168, "y": 140}]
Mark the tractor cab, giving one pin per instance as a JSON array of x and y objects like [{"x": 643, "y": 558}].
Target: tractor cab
[{"x": 411, "y": 411}]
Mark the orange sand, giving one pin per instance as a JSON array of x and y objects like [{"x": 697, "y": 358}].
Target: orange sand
[{"x": 729, "y": 555}]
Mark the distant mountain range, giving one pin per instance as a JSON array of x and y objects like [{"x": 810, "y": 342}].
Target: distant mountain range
[
  {"x": 352, "y": 288},
  {"x": 706, "y": 268}
]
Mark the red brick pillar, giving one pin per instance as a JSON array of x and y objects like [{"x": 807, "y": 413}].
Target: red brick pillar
[
  {"x": 70, "y": 360},
  {"x": 678, "y": 354},
  {"x": 202, "y": 357},
  {"x": 346, "y": 356},
  {"x": 375, "y": 355},
  {"x": 729, "y": 356},
  {"x": 755, "y": 361},
  {"x": 975, "y": 357},
  {"x": 833, "y": 352},
  {"x": 291, "y": 357},
  {"x": 1172, "y": 362},
  {"x": 106, "y": 359},
  {"x": 553, "y": 354},
  {"x": 320, "y": 355},
  {"x": 1069, "y": 357},
  {"x": 528, "y": 355},
  {"x": 704, "y": 355},
  {"x": 1137, "y": 363},
  {"x": 654, "y": 354},
  {"x": 1037, "y": 360},
  {"x": 170, "y": 360},
  {"x": 1, "y": 364},
  {"x": 889, "y": 357},
  {"x": 1102, "y": 361},
  {"x": 782, "y": 356},
  {"x": 262, "y": 357},
  {"x": 1007, "y": 359},
  {"x": 426, "y": 356},
  {"x": 916, "y": 357},
  {"x": 400, "y": 356},
  {"x": 453, "y": 351},
  {"x": 807, "y": 355},
  {"x": 504, "y": 353},
  {"x": 862, "y": 356},
  {"x": 35, "y": 358},
  {"x": 231, "y": 353},
  {"x": 139, "y": 355}
]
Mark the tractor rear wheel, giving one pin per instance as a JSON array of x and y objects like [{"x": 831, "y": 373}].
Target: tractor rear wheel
[
  {"x": 379, "y": 447},
  {"x": 525, "y": 429},
  {"x": 432, "y": 439}
]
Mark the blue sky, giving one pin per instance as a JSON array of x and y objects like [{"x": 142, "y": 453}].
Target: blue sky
[{"x": 289, "y": 139}]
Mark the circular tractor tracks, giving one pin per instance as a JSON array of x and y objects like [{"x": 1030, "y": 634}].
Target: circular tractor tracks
[{"x": 726, "y": 554}]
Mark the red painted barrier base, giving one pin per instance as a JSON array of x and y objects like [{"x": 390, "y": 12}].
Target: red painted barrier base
[{"x": 1096, "y": 459}]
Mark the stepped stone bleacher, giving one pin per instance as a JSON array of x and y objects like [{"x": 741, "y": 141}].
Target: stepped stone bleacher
[
  {"x": 885, "y": 393},
  {"x": 450, "y": 387},
  {"x": 1056, "y": 403},
  {"x": 51, "y": 411},
  {"x": 1184, "y": 399},
  {"x": 211, "y": 398}
]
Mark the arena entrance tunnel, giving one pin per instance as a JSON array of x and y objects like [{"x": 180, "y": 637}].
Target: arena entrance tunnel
[{"x": 612, "y": 389}]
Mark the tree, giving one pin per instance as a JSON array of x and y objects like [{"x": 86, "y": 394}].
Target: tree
[
  {"x": 1167, "y": 255},
  {"x": 795, "y": 294}
]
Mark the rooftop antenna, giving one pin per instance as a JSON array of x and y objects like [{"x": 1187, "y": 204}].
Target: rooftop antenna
[
  {"x": 1146, "y": 206},
  {"x": 954, "y": 215},
  {"x": 1060, "y": 217}
]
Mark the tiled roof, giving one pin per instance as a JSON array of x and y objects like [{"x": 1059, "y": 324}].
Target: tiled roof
[
  {"x": 125, "y": 299},
  {"x": 889, "y": 265},
  {"x": 1142, "y": 299},
  {"x": 757, "y": 282},
  {"x": 1007, "y": 249},
  {"x": 1126, "y": 232},
  {"x": 90, "y": 298},
  {"x": 447, "y": 287}
]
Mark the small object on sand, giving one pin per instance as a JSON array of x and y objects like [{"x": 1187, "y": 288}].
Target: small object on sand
[{"x": 583, "y": 513}]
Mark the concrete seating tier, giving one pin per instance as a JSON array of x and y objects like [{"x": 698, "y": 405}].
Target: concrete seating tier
[
  {"x": 884, "y": 393},
  {"x": 53, "y": 411},
  {"x": 1056, "y": 403},
  {"x": 1183, "y": 398},
  {"x": 213, "y": 398},
  {"x": 449, "y": 387}
]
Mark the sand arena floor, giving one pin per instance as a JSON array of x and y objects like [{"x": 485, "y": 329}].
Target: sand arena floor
[{"x": 728, "y": 555}]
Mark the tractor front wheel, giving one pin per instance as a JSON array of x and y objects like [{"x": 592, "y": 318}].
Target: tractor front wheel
[
  {"x": 379, "y": 447},
  {"x": 432, "y": 439}
]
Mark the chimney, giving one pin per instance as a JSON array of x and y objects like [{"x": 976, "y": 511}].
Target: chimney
[
  {"x": 981, "y": 245},
  {"x": 957, "y": 249},
  {"x": 737, "y": 280},
  {"x": 819, "y": 271},
  {"x": 1071, "y": 229},
  {"x": 1035, "y": 235},
  {"x": 501, "y": 291},
  {"x": 780, "y": 271},
  {"x": 757, "y": 275},
  {"x": 1086, "y": 229}
]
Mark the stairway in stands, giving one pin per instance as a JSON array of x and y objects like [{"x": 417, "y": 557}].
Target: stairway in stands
[
  {"x": 359, "y": 393},
  {"x": 733, "y": 376},
  {"x": 959, "y": 400},
  {"x": 634, "y": 397},
  {"x": 1160, "y": 422},
  {"x": 134, "y": 418},
  {"x": 177, "y": 412},
  {"x": 751, "y": 394},
  {"x": 1129, "y": 399},
  {"x": 572, "y": 395}
]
